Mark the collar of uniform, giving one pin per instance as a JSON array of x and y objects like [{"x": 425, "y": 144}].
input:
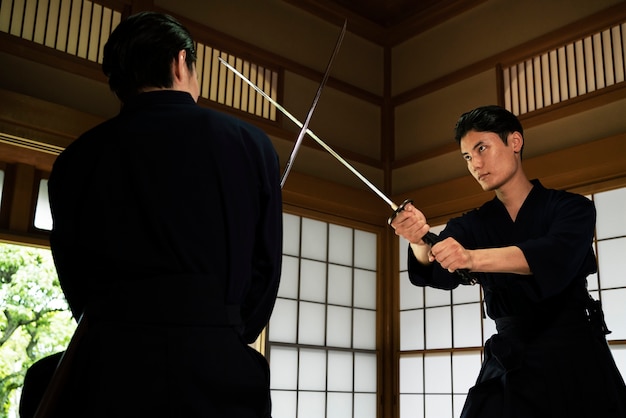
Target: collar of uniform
[{"x": 156, "y": 97}]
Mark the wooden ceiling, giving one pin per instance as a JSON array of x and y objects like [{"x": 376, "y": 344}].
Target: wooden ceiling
[
  {"x": 387, "y": 22},
  {"x": 386, "y": 13}
]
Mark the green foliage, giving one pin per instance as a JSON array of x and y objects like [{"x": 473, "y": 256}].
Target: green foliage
[{"x": 35, "y": 320}]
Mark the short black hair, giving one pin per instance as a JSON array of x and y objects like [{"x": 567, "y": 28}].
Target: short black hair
[
  {"x": 140, "y": 51},
  {"x": 490, "y": 118}
]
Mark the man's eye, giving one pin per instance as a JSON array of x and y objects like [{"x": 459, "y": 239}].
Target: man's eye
[
  {"x": 467, "y": 157},
  {"x": 482, "y": 148}
]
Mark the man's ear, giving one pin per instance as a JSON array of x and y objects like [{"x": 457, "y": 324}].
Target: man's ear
[
  {"x": 180, "y": 66},
  {"x": 516, "y": 141}
]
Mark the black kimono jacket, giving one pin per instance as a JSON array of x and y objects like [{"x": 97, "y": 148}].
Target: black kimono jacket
[
  {"x": 548, "y": 358},
  {"x": 168, "y": 235}
]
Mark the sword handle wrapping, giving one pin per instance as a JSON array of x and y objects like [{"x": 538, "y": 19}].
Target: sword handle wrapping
[
  {"x": 466, "y": 277},
  {"x": 431, "y": 239}
]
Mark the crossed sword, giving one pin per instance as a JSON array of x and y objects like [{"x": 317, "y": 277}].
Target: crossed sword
[{"x": 429, "y": 238}]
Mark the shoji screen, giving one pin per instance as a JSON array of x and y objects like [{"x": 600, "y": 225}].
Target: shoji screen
[
  {"x": 441, "y": 336},
  {"x": 322, "y": 333},
  {"x": 610, "y": 286}
]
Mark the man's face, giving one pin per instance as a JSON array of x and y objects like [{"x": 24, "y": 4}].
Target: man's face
[{"x": 492, "y": 162}]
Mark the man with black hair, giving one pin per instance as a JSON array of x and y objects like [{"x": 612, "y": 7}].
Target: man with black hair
[
  {"x": 168, "y": 237},
  {"x": 530, "y": 248}
]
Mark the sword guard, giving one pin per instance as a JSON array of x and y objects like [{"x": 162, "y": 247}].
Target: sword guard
[{"x": 398, "y": 210}]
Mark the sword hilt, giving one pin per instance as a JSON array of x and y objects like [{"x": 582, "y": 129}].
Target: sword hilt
[
  {"x": 466, "y": 277},
  {"x": 431, "y": 239}
]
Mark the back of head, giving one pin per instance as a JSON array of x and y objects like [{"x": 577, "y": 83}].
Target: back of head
[
  {"x": 141, "y": 50},
  {"x": 491, "y": 118}
]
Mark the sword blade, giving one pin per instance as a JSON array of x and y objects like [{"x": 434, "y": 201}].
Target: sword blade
[
  {"x": 312, "y": 135},
  {"x": 305, "y": 126},
  {"x": 430, "y": 238}
]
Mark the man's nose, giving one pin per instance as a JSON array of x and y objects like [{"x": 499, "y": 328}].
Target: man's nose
[{"x": 476, "y": 163}]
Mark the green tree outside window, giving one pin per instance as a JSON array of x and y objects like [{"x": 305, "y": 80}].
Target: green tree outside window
[{"x": 35, "y": 320}]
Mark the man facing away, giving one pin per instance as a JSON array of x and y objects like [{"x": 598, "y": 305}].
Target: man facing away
[
  {"x": 168, "y": 237},
  {"x": 531, "y": 250}
]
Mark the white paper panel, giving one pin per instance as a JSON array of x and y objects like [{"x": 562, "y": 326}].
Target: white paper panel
[
  {"x": 283, "y": 368},
  {"x": 465, "y": 368},
  {"x": 592, "y": 281},
  {"x": 340, "y": 245},
  {"x": 315, "y": 239},
  {"x": 411, "y": 406},
  {"x": 339, "y": 285},
  {"x": 411, "y": 296},
  {"x": 437, "y": 297},
  {"x": 437, "y": 373},
  {"x": 365, "y": 250},
  {"x": 311, "y": 329},
  {"x": 339, "y": 405},
  {"x": 311, "y": 405},
  {"x": 412, "y": 330},
  {"x": 465, "y": 294},
  {"x": 438, "y": 406},
  {"x": 489, "y": 328},
  {"x": 612, "y": 262},
  {"x": 340, "y": 371},
  {"x": 312, "y": 370},
  {"x": 291, "y": 234},
  {"x": 614, "y": 306},
  {"x": 313, "y": 281},
  {"x": 459, "y": 401},
  {"x": 283, "y": 327},
  {"x": 403, "y": 252},
  {"x": 364, "y": 289},
  {"x": 619, "y": 354},
  {"x": 438, "y": 328},
  {"x": 365, "y": 405},
  {"x": 611, "y": 216},
  {"x": 467, "y": 325},
  {"x": 364, "y": 333},
  {"x": 339, "y": 322},
  {"x": 364, "y": 372},
  {"x": 412, "y": 374},
  {"x": 43, "y": 216},
  {"x": 289, "y": 278},
  {"x": 283, "y": 404}
]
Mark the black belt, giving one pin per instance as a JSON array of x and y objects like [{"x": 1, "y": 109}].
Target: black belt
[
  {"x": 532, "y": 324},
  {"x": 185, "y": 299}
]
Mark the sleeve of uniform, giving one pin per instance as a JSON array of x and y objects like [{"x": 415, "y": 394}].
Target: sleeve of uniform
[
  {"x": 564, "y": 252},
  {"x": 433, "y": 275},
  {"x": 267, "y": 248}
]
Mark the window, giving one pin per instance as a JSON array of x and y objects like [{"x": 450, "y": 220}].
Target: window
[
  {"x": 322, "y": 333},
  {"x": 610, "y": 283},
  {"x": 575, "y": 69},
  {"x": 43, "y": 216},
  {"x": 441, "y": 337},
  {"x": 81, "y": 28}
]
